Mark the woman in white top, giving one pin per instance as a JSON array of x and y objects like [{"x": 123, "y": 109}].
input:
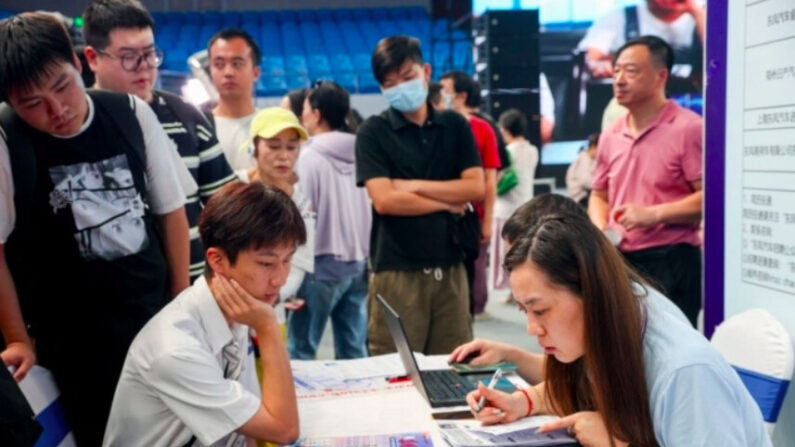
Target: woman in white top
[
  {"x": 277, "y": 135},
  {"x": 579, "y": 176},
  {"x": 524, "y": 159}
]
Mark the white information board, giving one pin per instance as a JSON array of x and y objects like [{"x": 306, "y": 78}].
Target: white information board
[{"x": 759, "y": 200}]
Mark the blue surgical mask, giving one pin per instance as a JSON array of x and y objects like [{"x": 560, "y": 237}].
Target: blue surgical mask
[
  {"x": 407, "y": 96},
  {"x": 448, "y": 100}
]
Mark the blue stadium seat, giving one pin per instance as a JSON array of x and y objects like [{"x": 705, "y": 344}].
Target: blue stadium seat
[
  {"x": 176, "y": 60},
  {"x": 271, "y": 86},
  {"x": 297, "y": 81},
  {"x": 250, "y": 18},
  {"x": 441, "y": 56},
  {"x": 361, "y": 61},
  {"x": 380, "y": 13},
  {"x": 341, "y": 63},
  {"x": 398, "y": 13},
  {"x": 158, "y": 17},
  {"x": 268, "y": 17},
  {"x": 287, "y": 16},
  {"x": 306, "y": 15},
  {"x": 230, "y": 18},
  {"x": 346, "y": 81},
  {"x": 212, "y": 18},
  {"x": 418, "y": 12},
  {"x": 440, "y": 30},
  {"x": 188, "y": 35},
  {"x": 296, "y": 64},
  {"x": 342, "y": 14},
  {"x": 367, "y": 83},
  {"x": 462, "y": 55},
  {"x": 319, "y": 65},
  {"x": 273, "y": 66},
  {"x": 361, "y": 14},
  {"x": 192, "y": 18},
  {"x": 174, "y": 18}
]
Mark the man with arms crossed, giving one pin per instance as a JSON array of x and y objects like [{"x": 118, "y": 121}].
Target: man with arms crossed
[
  {"x": 420, "y": 167},
  {"x": 647, "y": 184},
  {"x": 189, "y": 377}
]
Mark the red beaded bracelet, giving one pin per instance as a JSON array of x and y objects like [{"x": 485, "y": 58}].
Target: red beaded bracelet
[{"x": 529, "y": 401}]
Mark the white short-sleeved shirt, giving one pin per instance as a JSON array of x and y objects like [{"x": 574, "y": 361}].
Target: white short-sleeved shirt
[
  {"x": 233, "y": 134},
  {"x": 172, "y": 385},
  {"x": 607, "y": 33},
  {"x": 696, "y": 398},
  {"x": 168, "y": 181}
]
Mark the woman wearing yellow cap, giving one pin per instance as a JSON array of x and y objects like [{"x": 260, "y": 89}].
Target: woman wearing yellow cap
[{"x": 276, "y": 136}]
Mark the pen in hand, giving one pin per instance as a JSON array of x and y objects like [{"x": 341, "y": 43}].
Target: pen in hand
[{"x": 492, "y": 383}]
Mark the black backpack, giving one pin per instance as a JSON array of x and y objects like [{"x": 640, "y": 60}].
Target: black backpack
[{"x": 16, "y": 134}]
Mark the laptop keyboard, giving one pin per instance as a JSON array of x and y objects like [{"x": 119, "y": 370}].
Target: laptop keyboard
[{"x": 446, "y": 386}]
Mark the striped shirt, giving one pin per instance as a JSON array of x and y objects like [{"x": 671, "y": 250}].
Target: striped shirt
[{"x": 206, "y": 162}]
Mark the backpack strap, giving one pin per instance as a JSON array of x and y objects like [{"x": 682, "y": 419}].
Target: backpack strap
[
  {"x": 22, "y": 158},
  {"x": 186, "y": 114},
  {"x": 121, "y": 108}
]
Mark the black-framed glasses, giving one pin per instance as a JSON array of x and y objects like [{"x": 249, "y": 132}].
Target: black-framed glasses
[{"x": 131, "y": 61}]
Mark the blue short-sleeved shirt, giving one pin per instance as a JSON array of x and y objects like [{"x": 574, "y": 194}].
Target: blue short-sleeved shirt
[{"x": 696, "y": 397}]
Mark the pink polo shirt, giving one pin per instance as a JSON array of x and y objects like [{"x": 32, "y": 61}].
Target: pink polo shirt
[{"x": 656, "y": 167}]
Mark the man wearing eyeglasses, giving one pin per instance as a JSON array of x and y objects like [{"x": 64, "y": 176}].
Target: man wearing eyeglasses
[
  {"x": 122, "y": 53},
  {"x": 647, "y": 183}
]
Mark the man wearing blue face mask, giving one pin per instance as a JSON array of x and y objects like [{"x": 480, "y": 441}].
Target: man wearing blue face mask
[{"x": 420, "y": 167}]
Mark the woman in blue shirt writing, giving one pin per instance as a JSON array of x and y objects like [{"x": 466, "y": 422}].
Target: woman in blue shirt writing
[{"x": 621, "y": 365}]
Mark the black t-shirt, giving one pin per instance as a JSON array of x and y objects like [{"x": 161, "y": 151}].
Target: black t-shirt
[{"x": 388, "y": 145}]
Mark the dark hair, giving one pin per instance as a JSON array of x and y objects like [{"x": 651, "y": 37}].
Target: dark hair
[
  {"x": 434, "y": 92},
  {"x": 32, "y": 44},
  {"x": 333, "y": 102},
  {"x": 250, "y": 216},
  {"x": 530, "y": 212},
  {"x": 231, "y": 33},
  {"x": 514, "y": 122},
  {"x": 661, "y": 53},
  {"x": 392, "y": 52},
  {"x": 593, "y": 140},
  {"x": 574, "y": 254},
  {"x": 88, "y": 75},
  {"x": 463, "y": 83},
  {"x": 296, "y": 98},
  {"x": 354, "y": 120},
  {"x": 103, "y": 16}
]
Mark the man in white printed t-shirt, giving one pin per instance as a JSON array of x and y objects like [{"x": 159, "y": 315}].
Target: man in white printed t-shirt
[
  {"x": 234, "y": 68},
  {"x": 681, "y": 23},
  {"x": 92, "y": 219},
  {"x": 189, "y": 378}
]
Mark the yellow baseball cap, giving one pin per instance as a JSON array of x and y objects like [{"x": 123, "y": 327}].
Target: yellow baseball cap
[{"x": 267, "y": 123}]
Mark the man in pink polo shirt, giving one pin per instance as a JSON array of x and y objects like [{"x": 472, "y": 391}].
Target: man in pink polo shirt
[{"x": 647, "y": 184}]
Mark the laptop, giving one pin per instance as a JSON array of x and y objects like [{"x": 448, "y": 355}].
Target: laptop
[{"x": 441, "y": 387}]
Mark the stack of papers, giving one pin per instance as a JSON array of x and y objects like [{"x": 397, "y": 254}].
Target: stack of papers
[
  {"x": 398, "y": 440},
  {"x": 472, "y": 433},
  {"x": 314, "y": 377}
]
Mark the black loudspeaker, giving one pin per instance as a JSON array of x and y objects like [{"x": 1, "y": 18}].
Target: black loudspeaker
[
  {"x": 526, "y": 101},
  {"x": 507, "y": 65}
]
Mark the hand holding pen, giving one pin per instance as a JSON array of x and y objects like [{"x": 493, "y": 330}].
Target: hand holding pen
[
  {"x": 492, "y": 383},
  {"x": 502, "y": 407}
]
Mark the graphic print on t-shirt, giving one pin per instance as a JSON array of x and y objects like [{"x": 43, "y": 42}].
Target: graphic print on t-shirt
[{"x": 108, "y": 210}]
